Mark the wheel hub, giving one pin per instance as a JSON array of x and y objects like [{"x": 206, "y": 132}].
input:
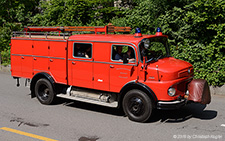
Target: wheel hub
[
  {"x": 136, "y": 106},
  {"x": 46, "y": 93}
]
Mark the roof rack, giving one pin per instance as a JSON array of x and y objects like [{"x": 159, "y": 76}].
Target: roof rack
[
  {"x": 96, "y": 29},
  {"x": 45, "y": 35}
]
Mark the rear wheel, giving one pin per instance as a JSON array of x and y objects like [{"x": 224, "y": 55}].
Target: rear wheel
[
  {"x": 44, "y": 91},
  {"x": 137, "y": 105}
]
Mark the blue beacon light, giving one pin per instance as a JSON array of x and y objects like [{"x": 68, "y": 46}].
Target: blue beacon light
[
  {"x": 138, "y": 30},
  {"x": 158, "y": 31},
  {"x": 137, "y": 33}
]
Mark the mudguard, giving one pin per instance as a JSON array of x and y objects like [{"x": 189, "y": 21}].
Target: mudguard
[
  {"x": 140, "y": 86},
  {"x": 199, "y": 91},
  {"x": 37, "y": 77}
]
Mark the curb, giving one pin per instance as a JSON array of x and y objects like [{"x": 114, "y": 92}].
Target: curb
[
  {"x": 213, "y": 90},
  {"x": 217, "y": 90},
  {"x": 5, "y": 69}
]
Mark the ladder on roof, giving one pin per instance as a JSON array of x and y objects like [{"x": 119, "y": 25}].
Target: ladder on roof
[{"x": 96, "y": 29}]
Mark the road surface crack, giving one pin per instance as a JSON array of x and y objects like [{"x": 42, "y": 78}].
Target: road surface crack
[{"x": 23, "y": 122}]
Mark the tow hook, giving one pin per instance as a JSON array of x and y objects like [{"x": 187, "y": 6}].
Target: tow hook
[{"x": 179, "y": 98}]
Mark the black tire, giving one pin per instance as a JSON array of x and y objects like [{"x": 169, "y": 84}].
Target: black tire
[
  {"x": 44, "y": 91},
  {"x": 137, "y": 105}
]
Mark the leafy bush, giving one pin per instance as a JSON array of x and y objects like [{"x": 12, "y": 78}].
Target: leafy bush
[
  {"x": 197, "y": 32},
  {"x": 196, "y": 28},
  {"x": 5, "y": 56},
  {"x": 13, "y": 15},
  {"x": 75, "y": 12}
]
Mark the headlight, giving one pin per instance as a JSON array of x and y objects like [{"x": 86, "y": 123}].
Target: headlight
[{"x": 171, "y": 91}]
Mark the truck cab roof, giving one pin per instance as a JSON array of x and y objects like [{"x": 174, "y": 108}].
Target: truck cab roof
[{"x": 121, "y": 38}]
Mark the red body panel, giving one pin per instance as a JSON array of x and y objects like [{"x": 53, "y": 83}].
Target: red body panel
[
  {"x": 80, "y": 70},
  {"x": 82, "y": 74},
  {"x": 121, "y": 74},
  {"x": 101, "y": 67},
  {"x": 58, "y": 61},
  {"x": 21, "y": 59},
  {"x": 31, "y": 56},
  {"x": 40, "y": 53}
]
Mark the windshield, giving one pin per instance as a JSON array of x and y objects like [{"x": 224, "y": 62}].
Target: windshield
[{"x": 154, "y": 48}]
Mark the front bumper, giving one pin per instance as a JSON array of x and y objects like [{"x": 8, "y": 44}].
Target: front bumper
[{"x": 171, "y": 105}]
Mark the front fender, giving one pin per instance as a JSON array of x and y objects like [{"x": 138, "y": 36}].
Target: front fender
[
  {"x": 37, "y": 77},
  {"x": 140, "y": 86}
]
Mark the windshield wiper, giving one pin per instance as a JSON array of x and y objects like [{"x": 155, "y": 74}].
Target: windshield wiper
[{"x": 158, "y": 58}]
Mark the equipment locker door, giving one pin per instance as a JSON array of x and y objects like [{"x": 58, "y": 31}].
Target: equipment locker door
[
  {"x": 57, "y": 60},
  {"x": 40, "y": 56},
  {"x": 21, "y": 58}
]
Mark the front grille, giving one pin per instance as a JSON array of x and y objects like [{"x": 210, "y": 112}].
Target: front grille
[{"x": 182, "y": 87}]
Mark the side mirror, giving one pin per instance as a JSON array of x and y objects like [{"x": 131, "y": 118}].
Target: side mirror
[{"x": 125, "y": 60}]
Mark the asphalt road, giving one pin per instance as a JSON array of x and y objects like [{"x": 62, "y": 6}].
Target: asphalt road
[{"x": 25, "y": 119}]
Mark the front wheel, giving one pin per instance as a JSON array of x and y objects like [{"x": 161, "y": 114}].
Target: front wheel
[
  {"x": 44, "y": 91},
  {"x": 137, "y": 105}
]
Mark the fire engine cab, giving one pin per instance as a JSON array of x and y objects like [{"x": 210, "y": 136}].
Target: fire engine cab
[{"x": 136, "y": 71}]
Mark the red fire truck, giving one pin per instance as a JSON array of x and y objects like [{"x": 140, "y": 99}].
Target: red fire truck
[{"x": 104, "y": 68}]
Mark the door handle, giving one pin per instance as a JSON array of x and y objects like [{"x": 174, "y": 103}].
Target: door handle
[
  {"x": 73, "y": 63},
  {"x": 35, "y": 58},
  {"x": 111, "y": 66},
  {"x": 22, "y": 57},
  {"x": 51, "y": 60}
]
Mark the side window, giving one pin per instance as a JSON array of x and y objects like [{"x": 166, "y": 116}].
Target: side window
[
  {"x": 82, "y": 50},
  {"x": 120, "y": 51}
]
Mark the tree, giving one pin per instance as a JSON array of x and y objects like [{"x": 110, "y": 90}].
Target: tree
[
  {"x": 197, "y": 32},
  {"x": 13, "y": 15},
  {"x": 75, "y": 12},
  {"x": 195, "y": 29}
]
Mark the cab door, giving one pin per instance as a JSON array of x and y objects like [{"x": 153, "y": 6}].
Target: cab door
[
  {"x": 122, "y": 73},
  {"x": 101, "y": 54},
  {"x": 80, "y": 64}
]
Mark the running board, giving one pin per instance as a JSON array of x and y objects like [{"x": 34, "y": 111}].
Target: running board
[{"x": 88, "y": 100}]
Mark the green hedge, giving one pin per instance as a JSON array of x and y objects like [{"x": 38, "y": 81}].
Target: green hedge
[
  {"x": 196, "y": 31},
  {"x": 196, "y": 28}
]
